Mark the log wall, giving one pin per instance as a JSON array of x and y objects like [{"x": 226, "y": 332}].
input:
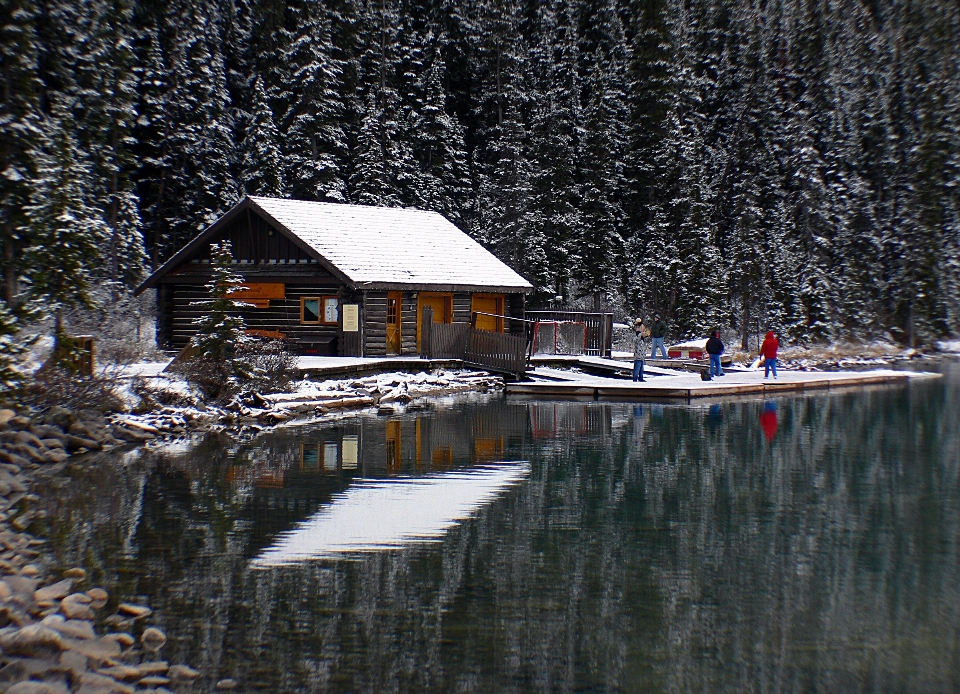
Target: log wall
[
  {"x": 374, "y": 323},
  {"x": 188, "y": 304}
]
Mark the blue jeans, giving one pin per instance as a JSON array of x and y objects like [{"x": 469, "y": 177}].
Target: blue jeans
[
  {"x": 715, "y": 368},
  {"x": 658, "y": 342},
  {"x": 638, "y": 369},
  {"x": 769, "y": 364}
]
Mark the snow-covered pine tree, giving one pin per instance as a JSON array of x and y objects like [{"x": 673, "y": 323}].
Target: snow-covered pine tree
[
  {"x": 20, "y": 133},
  {"x": 12, "y": 348},
  {"x": 605, "y": 265},
  {"x": 385, "y": 172},
  {"x": 201, "y": 151},
  {"x": 263, "y": 160},
  {"x": 151, "y": 133},
  {"x": 555, "y": 124},
  {"x": 505, "y": 215},
  {"x": 648, "y": 85},
  {"x": 437, "y": 140},
  {"x": 311, "y": 89},
  {"x": 220, "y": 329},
  {"x": 103, "y": 89},
  {"x": 67, "y": 232},
  {"x": 684, "y": 262}
]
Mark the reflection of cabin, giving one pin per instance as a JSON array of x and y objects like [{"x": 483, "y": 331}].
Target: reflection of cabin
[{"x": 340, "y": 279}]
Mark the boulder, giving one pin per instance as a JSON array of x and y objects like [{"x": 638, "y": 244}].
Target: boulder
[
  {"x": 94, "y": 682},
  {"x": 47, "y": 431},
  {"x": 125, "y": 673},
  {"x": 27, "y": 438},
  {"x": 74, "y": 609},
  {"x": 56, "y": 591},
  {"x": 6, "y": 415},
  {"x": 75, "y": 443},
  {"x": 154, "y": 667},
  {"x": 32, "y": 687},
  {"x": 122, "y": 639},
  {"x": 32, "y": 640},
  {"x": 182, "y": 673},
  {"x": 153, "y": 639},
  {"x": 11, "y": 458},
  {"x": 135, "y": 611},
  {"x": 98, "y": 597},
  {"x": 15, "y": 482}
]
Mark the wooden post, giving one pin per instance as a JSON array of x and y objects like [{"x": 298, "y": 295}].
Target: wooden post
[{"x": 426, "y": 329}]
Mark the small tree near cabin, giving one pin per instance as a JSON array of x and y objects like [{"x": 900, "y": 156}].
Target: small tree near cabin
[{"x": 220, "y": 329}]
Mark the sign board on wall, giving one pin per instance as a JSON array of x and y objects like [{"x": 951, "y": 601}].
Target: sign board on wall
[
  {"x": 258, "y": 294},
  {"x": 351, "y": 318}
]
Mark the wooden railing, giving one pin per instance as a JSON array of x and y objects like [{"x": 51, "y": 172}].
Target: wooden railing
[
  {"x": 497, "y": 352},
  {"x": 599, "y": 340},
  {"x": 482, "y": 348}
]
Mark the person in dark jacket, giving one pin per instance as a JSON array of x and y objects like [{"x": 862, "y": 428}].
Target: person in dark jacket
[
  {"x": 715, "y": 349},
  {"x": 658, "y": 332},
  {"x": 768, "y": 352}
]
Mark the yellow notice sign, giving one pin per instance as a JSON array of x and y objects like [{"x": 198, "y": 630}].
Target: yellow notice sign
[{"x": 351, "y": 318}]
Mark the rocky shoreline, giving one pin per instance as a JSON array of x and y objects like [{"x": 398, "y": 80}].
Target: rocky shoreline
[{"x": 61, "y": 634}]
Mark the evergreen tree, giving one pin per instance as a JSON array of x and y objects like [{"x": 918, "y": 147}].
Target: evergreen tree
[
  {"x": 67, "y": 231},
  {"x": 20, "y": 133},
  {"x": 220, "y": 329},
  {"x": 263, "y": 164},
  {"x": 311, "y": 90},
  {"x": 201, "y": 152}
]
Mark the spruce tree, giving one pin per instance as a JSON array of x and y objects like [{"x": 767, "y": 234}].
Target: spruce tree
[
  {"x": 263, "y": 161},
  {"x": 220, "y": 329},
  {"x": 66, "y": 230},
  {"x": 20, "y": 136}
]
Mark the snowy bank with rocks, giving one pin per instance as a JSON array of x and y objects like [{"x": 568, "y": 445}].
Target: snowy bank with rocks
[{"x": 166, "y": 405}]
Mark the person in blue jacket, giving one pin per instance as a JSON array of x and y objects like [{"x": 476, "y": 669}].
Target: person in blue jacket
[{"x": 715, "y": 349}]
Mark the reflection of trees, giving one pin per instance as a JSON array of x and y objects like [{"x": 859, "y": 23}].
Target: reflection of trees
[{"x": 663, "y": 548}]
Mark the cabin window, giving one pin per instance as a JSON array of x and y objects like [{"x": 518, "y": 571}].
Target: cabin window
[{"x": 323, "y": 310}]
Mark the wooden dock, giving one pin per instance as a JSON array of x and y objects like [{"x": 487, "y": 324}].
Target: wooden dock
[{"x": 553, "y": 384}]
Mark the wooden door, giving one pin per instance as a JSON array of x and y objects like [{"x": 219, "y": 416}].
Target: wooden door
[
  {"x": 488, "y": 303},
  {"x": 394, "y": 320},
  {"x": 442, "y": 305}
]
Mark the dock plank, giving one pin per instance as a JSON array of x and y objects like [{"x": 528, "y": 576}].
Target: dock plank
[{"x": 690, "y": 387}]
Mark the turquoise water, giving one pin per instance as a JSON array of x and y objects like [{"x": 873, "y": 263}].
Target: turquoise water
[{"x": 798, "y": 544}]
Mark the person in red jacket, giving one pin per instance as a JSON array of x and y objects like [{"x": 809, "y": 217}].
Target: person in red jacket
[{"x": 768, "y": 351}]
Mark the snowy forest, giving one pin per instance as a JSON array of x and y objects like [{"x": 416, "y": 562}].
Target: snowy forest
[{"x": 792, "y": 164}]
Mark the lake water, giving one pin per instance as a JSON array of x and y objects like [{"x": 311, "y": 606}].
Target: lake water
[{"x": 489, "y": 545}]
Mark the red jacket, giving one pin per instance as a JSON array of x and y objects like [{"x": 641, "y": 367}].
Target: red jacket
[{"x": 768, "y": 350}]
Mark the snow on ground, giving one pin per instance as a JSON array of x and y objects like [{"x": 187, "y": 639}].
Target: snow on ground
[
  {"x": 949, "y": 346},
  {"x": 176, "y": 407}
]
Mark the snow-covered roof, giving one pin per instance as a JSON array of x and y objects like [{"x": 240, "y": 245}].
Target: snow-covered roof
[
  {"x": 380, "y": 247},
  {"x": 376, "y": 246}
]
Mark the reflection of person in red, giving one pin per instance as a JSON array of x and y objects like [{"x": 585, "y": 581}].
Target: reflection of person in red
[{"x": 768, "y": 420}]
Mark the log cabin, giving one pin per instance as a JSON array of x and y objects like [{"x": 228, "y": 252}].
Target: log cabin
[{"x": 335, "y": 279}]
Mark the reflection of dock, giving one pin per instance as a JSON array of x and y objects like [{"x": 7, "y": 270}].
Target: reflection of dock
[{"x": 689, "y": 387}]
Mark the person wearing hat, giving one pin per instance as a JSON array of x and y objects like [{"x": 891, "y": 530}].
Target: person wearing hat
[
  {"x": 641, "y": 333},
  {"x": 658, "y": 332}
]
